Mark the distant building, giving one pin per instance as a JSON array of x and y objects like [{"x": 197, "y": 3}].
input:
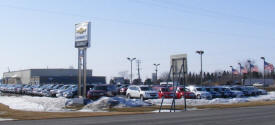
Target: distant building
[
  {"x": 119, "y": 80},
  {"x": 45, "y": 76}
]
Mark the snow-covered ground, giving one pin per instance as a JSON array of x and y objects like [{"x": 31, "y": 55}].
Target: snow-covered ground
[
  {"x": 107, "y": 102},
  {"x": 4, "y": 119},
  {"x": 47, "y": 104},
  {"x": 29, "y": 103},
  {"x": 194, "y": 102}
]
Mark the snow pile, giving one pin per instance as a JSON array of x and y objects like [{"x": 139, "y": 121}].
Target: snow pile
[
  {"x": 28, "y": 103},
  {"x": 108, "y": 102},
  {"x": 194, "y": 102}
]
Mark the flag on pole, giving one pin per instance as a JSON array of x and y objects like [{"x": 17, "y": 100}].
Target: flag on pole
[
  {"x": 268, "y": 66},
  {"x": 254, "y": 68},
  {"x": 235, "y": 72},
  {"x": 243, "y": 69}
]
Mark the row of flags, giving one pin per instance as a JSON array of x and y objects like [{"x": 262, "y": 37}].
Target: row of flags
[{"x": 267, "y": 66}]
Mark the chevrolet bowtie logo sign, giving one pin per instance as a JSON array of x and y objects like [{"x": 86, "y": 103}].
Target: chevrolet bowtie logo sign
[
  {"x": 82, "y": 35},
  {"x": 81, "y": 30}
]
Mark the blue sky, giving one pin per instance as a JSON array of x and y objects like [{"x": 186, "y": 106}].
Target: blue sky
[{"x": 40, "y": 34}]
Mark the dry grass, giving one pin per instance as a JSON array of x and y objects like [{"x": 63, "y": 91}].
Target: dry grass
[{"x": 6, "y": 112}]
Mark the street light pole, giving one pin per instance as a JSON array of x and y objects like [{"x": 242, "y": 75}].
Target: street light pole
[
  {"x": 131, "y": 61},
  {"x": 156, "y": 71},
  {"x": 264, "y": 69},
  {"x": 200, "y": 52},
  {"x": 249, "y": 62},
  {"x": 231, "y": 73}
]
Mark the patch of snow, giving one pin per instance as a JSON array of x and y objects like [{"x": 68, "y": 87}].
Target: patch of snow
[
  {"x": 104, "y": 103},
  {"x": 29, "y": 103},
  {"x": 4, "y": 119},
  {"x": 194, "y": 102}
]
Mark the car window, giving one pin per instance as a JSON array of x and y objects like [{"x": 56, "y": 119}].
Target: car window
[
  {"x": 145, "y": 88},
  {"x": 100, "y": 88}
]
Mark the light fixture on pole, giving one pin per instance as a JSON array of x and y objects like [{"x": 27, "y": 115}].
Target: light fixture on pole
[
  {"x": 131, "y": 61},
  {"x": 156, "y": 65},
  {"x": 200, "y": 52}
]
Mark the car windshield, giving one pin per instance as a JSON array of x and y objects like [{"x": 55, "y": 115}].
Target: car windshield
[
  {"x": 145, "y": 88},
  {"x": 200, "y": 89},
  {"x": 100, "y": 88},
  {"x": 182, "y": 89},
  {"x": 164, "y": 89}
]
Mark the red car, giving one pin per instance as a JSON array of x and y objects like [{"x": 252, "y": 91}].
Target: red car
[
  {"x": 165, "y": 92},
  {"x": 188, "y": 94}
]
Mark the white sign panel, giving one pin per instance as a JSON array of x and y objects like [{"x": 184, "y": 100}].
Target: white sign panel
[{"x": 82, "y": 35}]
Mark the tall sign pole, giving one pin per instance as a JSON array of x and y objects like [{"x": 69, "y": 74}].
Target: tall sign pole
[{"x": 82, "y": 42}]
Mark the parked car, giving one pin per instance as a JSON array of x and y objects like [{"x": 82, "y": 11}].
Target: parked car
[
  {"x": 142, "y": 92},
  {"x": 235, "y": 92},
  {"x": 223, "y": 91},
  {"x": 200, "y": 92},
  {"x": 165, "y": 93},
  {"x": 188, "y": 94},
  {"x": 101, "y": 90},
  {"x": 59, "y": 92},
  {"x": 214, "y": 93},
  {"x": 262, "y": 92},
  {"x": 123, "y": 89},
  {"x": 243, "y": 89}
]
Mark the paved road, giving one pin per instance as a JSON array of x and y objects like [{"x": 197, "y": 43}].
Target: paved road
[{"x": 262, "y": 115}]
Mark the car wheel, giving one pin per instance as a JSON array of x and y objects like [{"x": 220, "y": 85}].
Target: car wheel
[
  {"x": 198, "y": 96},
  {"x": 128, "y": 96},
  {"x": 141, "y": 97}
]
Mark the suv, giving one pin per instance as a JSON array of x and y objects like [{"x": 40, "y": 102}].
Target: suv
[
  {"x": 102, "y": 90},
  {"x": 165, "y": 93},
  {"x": 213, "y": 93},
  {"x": 223, "y": 91},
  {"x": 142, "y": 92},
  {"x": 180, "y": 92},
  {"x": 200, "y": 92}
]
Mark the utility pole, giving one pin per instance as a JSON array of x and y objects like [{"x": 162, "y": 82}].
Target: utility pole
[
  {"x": 131, "y": 62},
  {"x": 138, "y": 69}
]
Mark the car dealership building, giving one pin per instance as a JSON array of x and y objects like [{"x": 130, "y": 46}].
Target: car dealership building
[{"x": 45, "y": 76}]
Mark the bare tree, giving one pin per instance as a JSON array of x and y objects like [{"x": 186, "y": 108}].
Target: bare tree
[{"x": 163, "y": 76}]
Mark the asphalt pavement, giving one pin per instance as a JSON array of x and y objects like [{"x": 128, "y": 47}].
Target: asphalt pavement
[{"x": 261, "y": 115}]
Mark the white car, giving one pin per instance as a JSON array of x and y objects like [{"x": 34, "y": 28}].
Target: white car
[
  {"x": 142, "y": 92},
  {"x": 200, "y": 92}
]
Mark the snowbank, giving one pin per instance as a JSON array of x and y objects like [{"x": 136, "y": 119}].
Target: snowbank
[
  {"x": 194, "y": 102},
  {"x": 29, "y": 103},
  {"x": 4, "y": 119},
  {"x": 47, "y": 104},
  {"x": 108, "y": 102}
]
